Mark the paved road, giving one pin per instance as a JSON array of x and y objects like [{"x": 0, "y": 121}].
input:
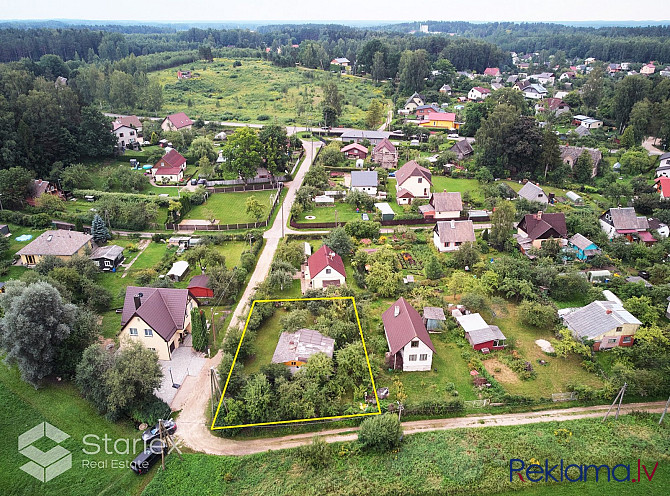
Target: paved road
[
  {"x": 194, "y": 400},
  {"x": 650, "y": 145},
  {"x": 219, "y": 446}
]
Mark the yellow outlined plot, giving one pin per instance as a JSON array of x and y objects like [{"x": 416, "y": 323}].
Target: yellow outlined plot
[{"x": 230, "y": 372}]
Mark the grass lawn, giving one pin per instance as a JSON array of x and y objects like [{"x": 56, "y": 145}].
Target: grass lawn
[
  {"x": 23, "y": 407},
  {"x": 265, "y": 343},
  {"x": 441, "y": 183},
  {"x": 230, "y": 208},
  {"x": 460, "y": 461},
  {"x": 258, "y": 91}
]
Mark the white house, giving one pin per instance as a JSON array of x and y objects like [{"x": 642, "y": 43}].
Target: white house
[
  {"x": 443, "y": 206},
  {"x": 412, "y": 181},
  {"x": 365, "y": 181},
  {"x": 534, "y": 91},
  {"x": 125, "y": 135},
  {"x": 413, "y": 102},
  {"x": 663, "y": 169},
  {"x": 478, "y": 93},
  {"x": 325, "y": 268},
  {"x": 450, "y": 235},
  {"x": 410, "y": 347},
  {"x": 545, "y": 78}
]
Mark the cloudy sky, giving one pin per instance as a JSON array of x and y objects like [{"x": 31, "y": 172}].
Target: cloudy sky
[{"x": 372, "y": 10}]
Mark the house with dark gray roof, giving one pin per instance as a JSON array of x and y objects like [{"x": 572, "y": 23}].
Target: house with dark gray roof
[
  {"x": 157, "y": 318},
  {"x": 623, "y": 221},
  {"x": 365, "y": 181},
  {"x": 414, "y": 101},
  {"x": 294, "y": 349},
  {"x": 663, "y": 169},
  {"x": 480, "y": 335},
  {"x": 583, "y": 247},
  {"x": 450, "y": 235},
  {"x": 443, "y": 206},
  {"x": 607, "y": 323},
  {"x": 462, "y": 149},
  {"x": 410, "y": 347},
  {"x": 107, "y": 258}
]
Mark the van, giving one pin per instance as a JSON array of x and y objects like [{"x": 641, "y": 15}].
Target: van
[{"x": 145, "y": 460}]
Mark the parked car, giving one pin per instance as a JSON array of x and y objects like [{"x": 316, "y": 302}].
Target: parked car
[
  {"x": 194, "y": 181},
  {"x": 202, "y": 181},
  {"x": 154, "y": 432},
  {"x": 452, "y": 136},
  {"x": 145, "y": 460}
]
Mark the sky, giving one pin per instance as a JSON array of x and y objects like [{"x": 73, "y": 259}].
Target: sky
[{"x": 314, "y": 10}]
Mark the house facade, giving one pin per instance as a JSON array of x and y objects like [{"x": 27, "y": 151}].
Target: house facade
[
  {"x": 125, "y": 135},
  {"x": 177, "y": 122},
  {"x": 570, "y": 155},
  {"x": 450, "y": 235},
  {"x": 440, "y": 120},
  {"x": 169, "y": 168},
  {"x": 535, "y": 229},
  {"x": 157, "y": 318},
  {"x": 198, "y": 287},
  {"x": 481, "y": 336},
  {"x": 606, "y": 323},
  {"x": 663, "y": 169},
  {"x": 107, "y": 258},
  {"x": 623, "y": 221},
  {"x": 414, "y": 101},
  {"x": 532, "y": 192},
  {"x": 385, "y": 154},
  {"x": 583, "y": 247},
  {"x": 534, "y": 91},
  {"x": 58, "y": 243},
  {"x": 662, "y": 185},
  {"x": 355, "y": 151},
  {"x": 478, "y": 93},
  {"x": 325, "y": 268},
  {"x": 412, "y": 181},
  {"x": 410, "y": 347},
  {"x": 364, "y": 181},
  {"x": 443, "y": 206}
]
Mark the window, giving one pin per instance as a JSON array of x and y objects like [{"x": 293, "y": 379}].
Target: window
[
  {"x": 412, "y": 358},
  {"x": 148, "y": 333},
  {"x": 423, "y": 357},
  {"x": 627, "y": 339},
  {"x": 120, "y": 135},
  {"x": 108, "y": 263},
  {"x": 420, "y": 180},
  {"x": 611, "y": 341},
  {"x": 133, "y": 331},
  {"x": 415, "y": 344},
  {"x": 619, "y": 329},
  {"x": 152, "y": 349},
  {"x": 328, "y": 271}
]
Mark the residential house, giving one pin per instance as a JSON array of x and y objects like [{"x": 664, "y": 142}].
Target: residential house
[
  {"x": 184, "y": 75},
  {"x": 532, "y": 192},
  {"x": 462, "y": 149},
  {"x": 553, "y": 105},
  {"x": 440, "y": 120},
  {"x": 581, "y": 131},
  {"x": 445, "y": 89},
  {"x": 198, "y": 287},
  {"x": 177, "y": 122},
  {"x": 480, "y": 335},
  {"x": 325, "y": 268},
  {"x": 169, "y": 168},
  {"x": 492, "y": 71},
  {"x": 544, "y": 78},
  {"x": 606, "y": 323},
  {"x": 294, "y": 349},
  {"x": 496, "y": 86},
  {"x": 126, "y": 134},
  {"x": 410, "y": 347},
  {"x": 478, "y": 93},
  {"x": 354, "y": 151},
  {"x": 663, "y": 169},
  {"x": 512, "y": 79},
  {"x": 158, "y": 318},
  {"x": 613, "y": 68},
  {"x": 584, "y": 247},
  {"x": 433, "y": 317},
  {"x": 385, "y": 154},
  {"x": 108, "y": 257},
  {"x": 412, "y": 181},
  {"x": 535, "y": 229},
  {"x": 623, "y": 221},
  {"x": 423, "y": 110},
  {"x": 59, "y": 243},
  {"x": 591, "y": 123},
  {"x": 39, "y": 188},
  {"x": 358, "y": 135},
  {"x": 443, "y": 206},
  {"x": 365, "y": 181},
  {"x": 341, "y": 61},
  {"x": 534, "y": 91},
  {"x": 570, "y": 154},
  {"x": 648, "y": 69},
  {"x": 656, "y": 225},
  {"x": 567, "y": 75},
  {"x": 450, "y": 235},
  {"x": 178, "y": 270},
  {"x": 662, "y": 185},
  {"x": 414, "y": 101}
]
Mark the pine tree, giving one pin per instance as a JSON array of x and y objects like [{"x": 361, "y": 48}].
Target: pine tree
[
  {"x": 199, "y": 329},
  {"x": 99, "y": 231},
  {"x": 628, "y": 138}
]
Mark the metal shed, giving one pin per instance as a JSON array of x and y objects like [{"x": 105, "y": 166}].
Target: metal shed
[{"x": 386, "y": 211}]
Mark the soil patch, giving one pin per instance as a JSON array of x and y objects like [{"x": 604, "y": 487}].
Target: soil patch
[{"x": 500, "y": 372}]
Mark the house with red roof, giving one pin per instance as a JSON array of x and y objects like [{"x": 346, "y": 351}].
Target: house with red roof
[
  {"x": 169, "y": 168},
  {"x": 325, "y": 268},
  {"x": 478, "y": 93},
  {"x": 385, "y": 154},
  {"x": 157, "y": 318},
  {"x": 354, "y": 151},
  {"x": 176, "y": 122},
  {"x": 412, "y": 181},
  {"x": 663, "y": 187},
  {"x": 410, "y": 347},
  {"x": 440, "y": 120},
  {"x": 492, "y": 71}
]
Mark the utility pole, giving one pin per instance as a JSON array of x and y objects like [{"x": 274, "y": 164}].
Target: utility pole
[
  {"x": 667, "y": 403},
  {"x": 619, "y": 398}
]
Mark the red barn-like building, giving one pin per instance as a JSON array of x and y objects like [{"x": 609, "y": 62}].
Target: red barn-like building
[{"x": 198, "y": 287}]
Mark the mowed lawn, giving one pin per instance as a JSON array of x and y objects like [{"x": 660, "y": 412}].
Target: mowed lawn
[
  {"x": 22, "y": 407},
  {"x": 230, "y": 208}
]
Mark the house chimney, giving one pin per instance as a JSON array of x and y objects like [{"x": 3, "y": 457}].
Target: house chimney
[
  {"x": 453, "y": 224},
  {"x": 608, "y": 311},
  {"x": 396, "y": 311},
  {"x": 138, "y": 300},
  {"x": 539, "y": 214}
]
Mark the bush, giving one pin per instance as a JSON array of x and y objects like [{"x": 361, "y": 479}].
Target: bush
[
  {"x": 381, "y": 432},
  {"x": 317, "y": 454},
  {"x": 150, "y": 411}
]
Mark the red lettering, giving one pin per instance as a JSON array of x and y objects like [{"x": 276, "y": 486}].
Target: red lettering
[{"x": 652, "y": 472}]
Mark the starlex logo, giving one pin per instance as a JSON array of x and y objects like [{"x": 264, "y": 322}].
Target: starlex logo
[
  {"x": 44, "y": 466},
  {"x": 560, "y": 472}
]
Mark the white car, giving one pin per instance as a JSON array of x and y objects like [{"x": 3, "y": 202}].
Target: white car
[{"x": 452, "y": 136}]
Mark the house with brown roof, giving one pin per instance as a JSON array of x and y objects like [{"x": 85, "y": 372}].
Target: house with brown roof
[
  {"x": 39, "y": 188},
  {"x": 623, "y": 221},
  {"x": 443, "y": 206},
  {"x": 534, "y": 229},
  {"x": 570, "y": 154},
  {"x": 410, "y": 347},
  {"x": 478, "y": 93},
  {"x": 450, "y": 235},
  {"x": 157, "y": 318},
  {"x": 325, "y": 268},
  {"x": 294, "y": 349},
  {"x": 462, "y": 149},
  {"x": 176, "y": 122},
  {"x": 59, "y": 243},
  {"x": 554, "y": 105},
  {"x": 385, "y": 154},
  {"x": 169, "y": 168},
  {"x": 412, "y": 181},
  {"x": 355, "y": 150}
]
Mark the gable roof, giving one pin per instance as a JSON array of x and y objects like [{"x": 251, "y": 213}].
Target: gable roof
[
  {"x": 402, "y": 328},
  {"x": 597, "y": 318},
  {"x": 363, "y": 178},
  {"x": 625, "y": 218},
  {"x": 301, "y": 345},
  {"x": 129, "y": 121},
  {"x": 415, "y": 95},
  {"x": 351, "y": 134},
  {"x": 573, "y": 152},
  {"x": 664, "y": 156},
  {"x": 581, "y": 242},
  {"x": 58, "y": 242},
  {"x": 109, "y": 252},
  {"x": 171, "y": 160},
  {"x": 163, "y": 309},
  {"x": 481, "y": 90},
  {"x": 489, "y": 333},
  {"x": 491, "y": 71},
  {"x": 385, "y": 143},
  {"x": 544, "y": 226},
  {"x": 554, "y": 103},
  {"x": 446, "y": 202},
  {"x": 354, "y": 146},
  {"x": 532, "y": 192},
  {"x": 325, "y": 257},
  {"x": 410, "y": 169},
  {"x": 179, "y": 120},
  {"x": 441, "y": 116},
  {"x": 200, "y": 281},
  {"x": 340, "y": 60},
  {"x": 535, "y": 88},
  {"x": 471, "y": 322},
  {"x": 462, "y": 147},
  {"x": 455, "y": 231}
]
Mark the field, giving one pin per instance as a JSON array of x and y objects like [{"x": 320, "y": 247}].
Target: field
[
  {"x": 461, "y": 461},
  {"x": 257, "y": 91},
  {"x": 230, "y": 208},
  {"x": 22, "y": 407}
]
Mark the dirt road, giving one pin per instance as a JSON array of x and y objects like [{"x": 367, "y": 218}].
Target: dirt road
[{"x": 212, "y": 445}]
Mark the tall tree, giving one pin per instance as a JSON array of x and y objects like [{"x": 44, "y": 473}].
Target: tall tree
[
  {"x": 378, "y": 66},
  {"x": 15, "y": 186},
  {"x": 243, "y": 152},
  {"x": 627, "y": 92},
  {"x": 275, "y": 148},
  {"x": 99, "y": 230},
  {"x": 502, "y": 223},
  {"x": 375, "y": 114},
  {"x": 413, "y": 69},
  {"x": 583, "y": 169},
  {"x": 592, "y": 91},
  {"x": 331, "y": 104},
  {"x": 551, "y": 154}
]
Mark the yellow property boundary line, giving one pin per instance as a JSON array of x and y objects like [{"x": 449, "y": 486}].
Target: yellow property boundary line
[{"x": 365, "y": 350}]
